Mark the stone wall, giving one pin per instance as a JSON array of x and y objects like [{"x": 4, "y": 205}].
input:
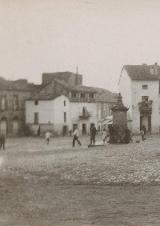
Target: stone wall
[{"x": 67, "y": 77}]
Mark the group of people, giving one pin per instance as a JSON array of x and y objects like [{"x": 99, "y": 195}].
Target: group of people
[
  {"x": 105, "y": 136},
  {"x": 75, "y": 134},
  {"x": 93, "y": 132}
]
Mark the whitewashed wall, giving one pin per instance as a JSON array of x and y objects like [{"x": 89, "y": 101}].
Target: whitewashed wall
[
  {"x": 52, "y": 111},
  {"x": 44, "y": 108},
  {"x": 125, "y": 89},
  {"x": 59, "y": 110}
]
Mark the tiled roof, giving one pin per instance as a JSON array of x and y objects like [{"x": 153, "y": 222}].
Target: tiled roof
[
  {"x": 84, "y": 89},
  {"x": 45, "y": 93},
  {"x": 78, "y": 88},
  {"x": 102, "y": 95},
  {"x": 143, "y": 72},
  {"x": 106, "y": 96},
  {"x": 44, "y": 96}
]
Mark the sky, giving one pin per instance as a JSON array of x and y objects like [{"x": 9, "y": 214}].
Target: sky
[{"x": 98, "y": 36}]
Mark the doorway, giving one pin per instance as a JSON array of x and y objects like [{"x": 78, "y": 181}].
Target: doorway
[
  {"x": 15, "y": 126},
  {"x": 65, "y": 130},
  {"x": 3, "y": 126},
  {"x": 145, "y": 120},
  {"x": 84, "y": 129}
]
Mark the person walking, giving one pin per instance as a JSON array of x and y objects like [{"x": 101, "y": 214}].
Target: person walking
[
  {"x": 76, "y": 137},
  {"x": 93, "y": 132},
  {"x": 47, "y": 137}
]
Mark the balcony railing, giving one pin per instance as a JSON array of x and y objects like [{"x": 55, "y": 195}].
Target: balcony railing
[
  {"x": 85, "y": 114},
  {"x": 145, "y": 107}
]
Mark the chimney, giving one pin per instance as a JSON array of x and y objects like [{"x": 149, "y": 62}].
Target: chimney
[{"x": 154, "y": 69}]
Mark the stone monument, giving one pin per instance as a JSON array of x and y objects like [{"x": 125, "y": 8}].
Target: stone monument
[{"x": 119, "y": 132}]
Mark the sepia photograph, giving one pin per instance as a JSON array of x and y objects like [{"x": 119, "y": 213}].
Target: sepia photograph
[{"x": 79, "y": 113}]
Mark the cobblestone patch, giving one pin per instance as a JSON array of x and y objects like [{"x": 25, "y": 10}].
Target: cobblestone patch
[
  {"x": 131, "y": 163},
  {"x": 60, "y": 185}
]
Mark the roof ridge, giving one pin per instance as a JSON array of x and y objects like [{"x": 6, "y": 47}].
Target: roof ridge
[{"x": 142, "y": 72}]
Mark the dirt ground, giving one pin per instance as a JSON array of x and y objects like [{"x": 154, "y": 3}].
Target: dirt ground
[{"x": 55, "y": 184}]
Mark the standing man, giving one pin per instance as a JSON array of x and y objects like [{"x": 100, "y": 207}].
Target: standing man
[
  {"x": 93, "y": 132},
  {"x": 76, "y": 137}
]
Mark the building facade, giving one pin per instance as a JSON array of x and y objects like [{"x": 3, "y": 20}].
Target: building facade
[
  {"x": 139, "y": 86},
  {"x": 12, "y": 105},
  {"x": 64, "y": 102}
]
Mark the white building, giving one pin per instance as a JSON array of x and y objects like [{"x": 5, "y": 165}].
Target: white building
[
  {"x": 60, "y": 106},
  {"x": 139, "y": 87}
]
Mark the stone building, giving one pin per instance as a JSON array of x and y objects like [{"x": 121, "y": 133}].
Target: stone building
[
  {"x": 66, "y": 77},
  {"x": 12, "y": 105},
  {"x": 139, "y": 86},
  {"x": 64, "y": 102}
]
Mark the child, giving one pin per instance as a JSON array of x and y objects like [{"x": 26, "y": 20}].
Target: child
[
  {"x": 104, "y": 136},
  {"x": 47, "y": 137},
  {"x": 142, "y": 134}
]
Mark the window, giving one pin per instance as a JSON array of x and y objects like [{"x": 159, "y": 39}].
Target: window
[
  {"x": 73, "y": 94},
  {"x": 15, "y": 102},
  {"x": 92, "y": 124},
  {"x": 36, "y": 102},
  {"x": 144, "y": 86},
  {"x": 84, "y": 111},
  {"x": 36, "y": 118},
  {"x": 64, "y": 103},
  {"x": 91, "y": 95},
  {"x": 110, "y": 110},
  {"x": 145, "y": 98},
  {"x": 75, "y": 126},
  {"x": 65, "y": 117},
  {"x": 82, "y": 95},
  {"x": 104, "y": 109},
  {"x": 3, "y": 103}
]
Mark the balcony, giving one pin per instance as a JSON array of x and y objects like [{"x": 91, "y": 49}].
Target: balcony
[
  {"x": 85, "y": 114},
  {"x": 145, "y": 107}
]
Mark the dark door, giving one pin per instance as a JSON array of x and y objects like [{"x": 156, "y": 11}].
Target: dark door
[
  {"x": 15, "y": 127},
  {"x": 84, "y": 130},
  {"x": 145, "y": 121},
  {"x": 149, "y": 124},
  {"x": 3, "y": 126},
  {"x": 65, "y": 130}
]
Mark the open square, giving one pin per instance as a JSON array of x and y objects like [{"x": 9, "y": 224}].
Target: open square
[{"x": 56, "y": 184}]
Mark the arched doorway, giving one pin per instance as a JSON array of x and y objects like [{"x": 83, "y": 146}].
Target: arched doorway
[
  {"x": 15, "y": 126},
  {"x": 3, "y": 126}
]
